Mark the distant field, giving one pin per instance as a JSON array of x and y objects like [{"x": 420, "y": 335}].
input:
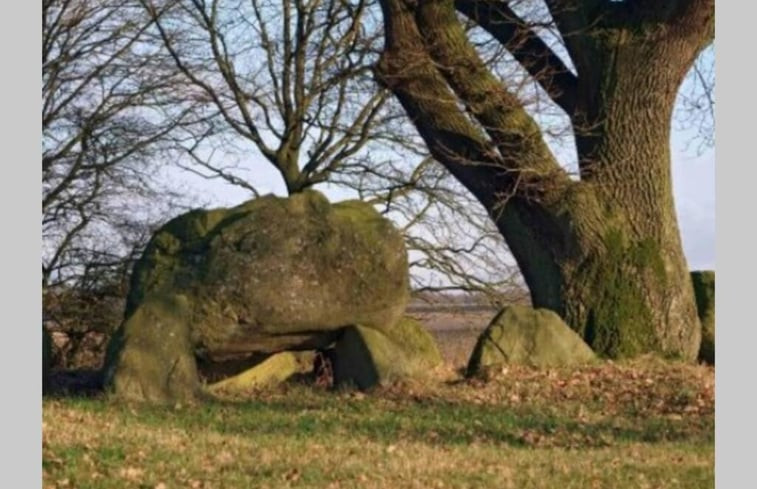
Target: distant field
[
  {"x": 642, "y": 424},
  {"x": 455, "y": 330}
]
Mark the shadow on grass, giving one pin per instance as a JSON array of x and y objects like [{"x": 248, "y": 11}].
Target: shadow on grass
[
  {"x": 329, "y": 417},
  {"x": 74, "y": 383}
]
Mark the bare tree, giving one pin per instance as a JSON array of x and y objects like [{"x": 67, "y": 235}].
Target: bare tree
[
  {"x": 292, "y": 82},
  {"x": 600, "y": 247},
  {"x": 110, "y": 108},
  {"x": 112, "y": 112},
  {"x": 290, "y": 78},
  {"x": 285, "y": 82},
  {"x": 695, "y": 107}
]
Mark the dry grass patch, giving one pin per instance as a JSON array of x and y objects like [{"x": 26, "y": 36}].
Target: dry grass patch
[{"x": 642, "y": 424}]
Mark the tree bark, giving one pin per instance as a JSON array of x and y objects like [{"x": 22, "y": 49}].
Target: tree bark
[
  {"x": 640, "y": 298},
  {"x": 604, "y": 252}
]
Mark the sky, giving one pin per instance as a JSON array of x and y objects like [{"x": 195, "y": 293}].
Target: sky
[{"x": 694, "y": 192}]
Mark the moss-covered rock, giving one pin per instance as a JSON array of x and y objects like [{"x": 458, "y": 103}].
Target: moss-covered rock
[
  {"x": 273, "y": 370},
  {"x": 278, "y": 266},
  {"x": 528, "y": 336},
  {"x": 365, "y": 357},
  {"x": 150, "y": 358},
  {"x": 704, "y": 291},
  {"x": 269, "y": 275}
]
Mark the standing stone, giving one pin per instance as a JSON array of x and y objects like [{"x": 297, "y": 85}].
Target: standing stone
[
  {"x": 365, "y": 357},
  {"x": 528, "y": 336}
]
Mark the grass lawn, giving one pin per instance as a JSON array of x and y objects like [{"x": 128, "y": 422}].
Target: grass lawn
[{"x": 641, "y": 424}]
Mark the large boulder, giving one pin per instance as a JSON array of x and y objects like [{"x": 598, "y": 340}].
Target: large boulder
[
  {"x": 364, "y": 357},
  {"x": 528, "y": 336},
  {"x": 269, "y": 275},
  {"x": 704, "y": 291}
]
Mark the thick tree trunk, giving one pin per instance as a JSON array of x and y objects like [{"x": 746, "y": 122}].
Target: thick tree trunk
[
  {"x": 605, "y": 252},
  {"x": 625, "y": 287}
]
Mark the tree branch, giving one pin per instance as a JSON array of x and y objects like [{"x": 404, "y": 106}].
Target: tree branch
[
  {"x": 517, "y": 136},
  {"x": 497, "y": 18}
]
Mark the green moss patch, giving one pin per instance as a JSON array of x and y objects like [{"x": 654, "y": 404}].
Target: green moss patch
[
  {"x": 151, "y": 358},
  {"x": 522, "y": 335},
  {"x": 272, "y": 371},
  {"x": 704, "y": 292},
  {"x": 620, "y": 323}
]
